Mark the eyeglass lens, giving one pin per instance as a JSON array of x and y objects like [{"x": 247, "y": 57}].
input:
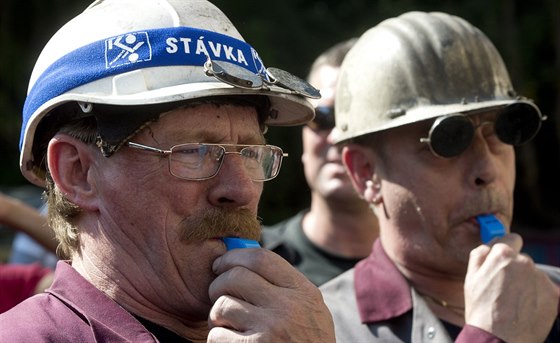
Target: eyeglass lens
[
  {"x": 203, "y": 161},
  {"x": 515, "y": 125},
  {"x": 324, "y": 118}
]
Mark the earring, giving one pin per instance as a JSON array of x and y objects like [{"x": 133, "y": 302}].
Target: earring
[{"x": 370, "y": 187}]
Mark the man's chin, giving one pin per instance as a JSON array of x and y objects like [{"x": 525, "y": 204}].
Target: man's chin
[{"x": 341, "y": 193}]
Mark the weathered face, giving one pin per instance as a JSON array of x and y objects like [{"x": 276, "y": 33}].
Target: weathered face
[
  {"x": 155, "y": 228},
  {"x": 429, "y": 204}
]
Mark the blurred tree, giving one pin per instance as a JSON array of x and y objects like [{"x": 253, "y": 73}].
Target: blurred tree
[{"x": 289, "y": 34}]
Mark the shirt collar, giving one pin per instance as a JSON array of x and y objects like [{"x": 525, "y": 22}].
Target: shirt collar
[
  {"x": 382, "y": 292},
  {"x": 105, "y": 317}
]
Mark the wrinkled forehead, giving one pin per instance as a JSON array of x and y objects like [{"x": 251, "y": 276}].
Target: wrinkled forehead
[{"x": 209, "y": 122}]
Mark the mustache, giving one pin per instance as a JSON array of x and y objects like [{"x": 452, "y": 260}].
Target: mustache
[
  {"x": 486, "y": 202},
  {"x": 216, "y": 222}
]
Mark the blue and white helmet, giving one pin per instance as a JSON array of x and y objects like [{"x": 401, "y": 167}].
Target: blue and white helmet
[{"x": 125, "y": 56}]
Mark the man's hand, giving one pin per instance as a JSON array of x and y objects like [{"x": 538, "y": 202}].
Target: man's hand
[
  {"x": 506, "y": 294},
  {"x": 259, "y": 297}
]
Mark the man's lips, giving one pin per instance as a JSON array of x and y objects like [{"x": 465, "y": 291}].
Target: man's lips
[
  {"x": 474, "y": 221},
  {"x": 471, "y": 225}
]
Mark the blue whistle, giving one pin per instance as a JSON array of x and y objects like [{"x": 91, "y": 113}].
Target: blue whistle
[
  {"x": 240, "y": 243},
  {"x": 490, "y": 228}
]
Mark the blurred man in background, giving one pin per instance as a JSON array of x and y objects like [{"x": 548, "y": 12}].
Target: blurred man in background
[{"x": 339, "y": 228}]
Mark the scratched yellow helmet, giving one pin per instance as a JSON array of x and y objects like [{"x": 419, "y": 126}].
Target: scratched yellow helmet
[{"x": 127, "y": 61}]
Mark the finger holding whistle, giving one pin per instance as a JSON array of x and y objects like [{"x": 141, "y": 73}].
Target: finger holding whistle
[
  {"x": 258, "y": 296},
  {"x": 505, "y": 293}
]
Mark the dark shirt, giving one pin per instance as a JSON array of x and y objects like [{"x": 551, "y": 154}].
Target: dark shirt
[
  {"x": 162, "y": 334},
  {"x": 288, "y": 240}
]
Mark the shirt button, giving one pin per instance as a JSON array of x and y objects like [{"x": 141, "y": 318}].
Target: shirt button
[{"x": 431, "y": 332}]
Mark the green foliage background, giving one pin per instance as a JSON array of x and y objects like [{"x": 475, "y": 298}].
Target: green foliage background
[{"x": 289, "y": 34}]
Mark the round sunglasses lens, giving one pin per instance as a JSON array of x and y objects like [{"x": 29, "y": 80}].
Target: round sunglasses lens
[
  {"x": 451, "y": 136},
  {"x": 517, "y": 124}
]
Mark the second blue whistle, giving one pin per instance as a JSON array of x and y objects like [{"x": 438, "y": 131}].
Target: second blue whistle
[
  {"x": 240, "y": 243},
  {"x": 490, "y": 228}
]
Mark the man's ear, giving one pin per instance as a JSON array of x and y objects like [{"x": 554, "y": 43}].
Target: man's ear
[
  {"x": 360, "y": 166},
  {"x": 70, "y": 164}
]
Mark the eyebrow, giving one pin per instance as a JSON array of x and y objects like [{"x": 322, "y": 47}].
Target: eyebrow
[{"x": 205, "y": 136}]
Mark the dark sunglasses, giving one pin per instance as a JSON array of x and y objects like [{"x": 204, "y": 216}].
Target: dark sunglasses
[
  {"x": 452, "y": 134},
  {"x": 237, "y": 76},
  {"x": 324, "y": 118}
]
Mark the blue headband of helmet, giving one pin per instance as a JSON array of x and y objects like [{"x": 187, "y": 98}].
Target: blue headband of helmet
[{"x": 177, "y": 46}]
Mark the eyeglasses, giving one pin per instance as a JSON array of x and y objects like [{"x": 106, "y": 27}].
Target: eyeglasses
[
  {"x": 237, "y": 76},
  {"x": 324, "y": 118},
  {"x": 200, "y": 161},
  {"x": 452, "y": 134}
]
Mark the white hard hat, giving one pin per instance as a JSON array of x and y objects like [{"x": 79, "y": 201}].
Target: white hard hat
[
  {"x": 141, "y": 57},
  {"x": 420, "y": 66}
]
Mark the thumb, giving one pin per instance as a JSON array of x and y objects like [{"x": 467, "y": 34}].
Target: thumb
[{"x": 513, "y": 240}]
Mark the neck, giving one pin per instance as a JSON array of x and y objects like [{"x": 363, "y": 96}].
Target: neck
[
  {"x": 137, "y": 301},
  {"x": 346, "y": 229},
  {"x": 443, "y": 294}
]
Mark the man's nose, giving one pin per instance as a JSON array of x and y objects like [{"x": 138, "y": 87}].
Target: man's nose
[{"x": 233, "y": 186}]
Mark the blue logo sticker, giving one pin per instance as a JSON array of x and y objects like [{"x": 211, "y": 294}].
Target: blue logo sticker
[
  {"x": 126, "y": 49},
  {"x": 259, "y": 65}
]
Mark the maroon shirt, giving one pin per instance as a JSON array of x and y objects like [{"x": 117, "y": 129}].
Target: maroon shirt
[
  {"x": 72, "y": 310},
  {"x": 18, "y": 282}
]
